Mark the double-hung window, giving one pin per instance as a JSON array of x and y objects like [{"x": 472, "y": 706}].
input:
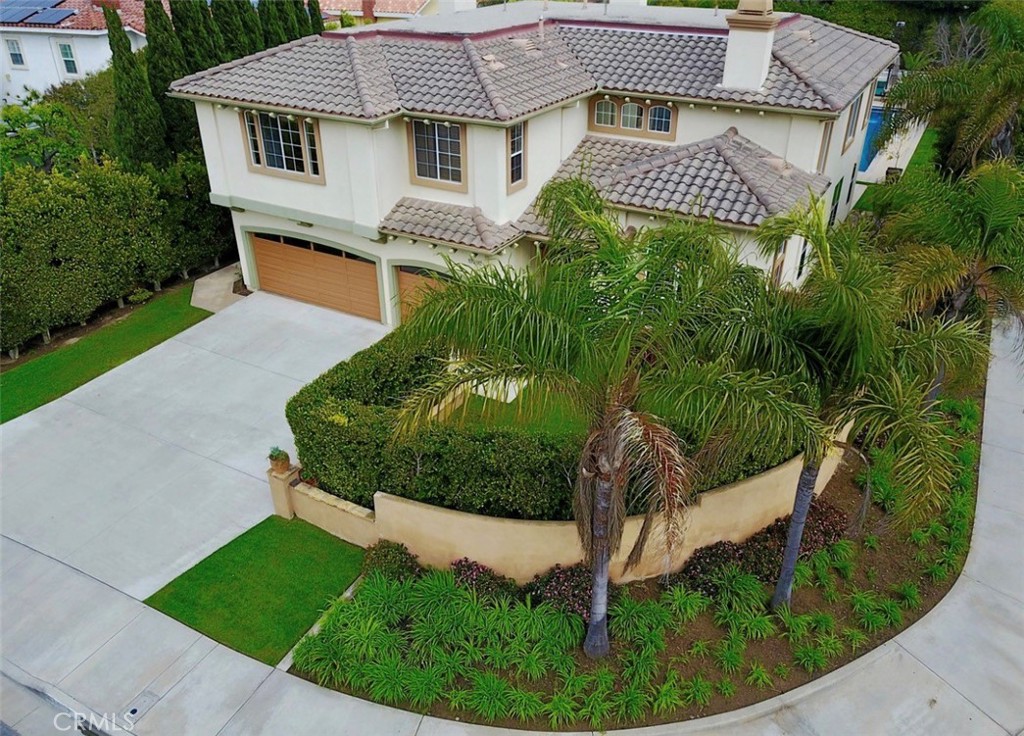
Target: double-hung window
[
  {"x": 437, "y": 153},
  {"x": 660, "y": 119},
  {"x": 283, "y": 143},
  {"x": 516, "y": 156},
  {"x": 15, "y": 52},
  {"x": 852, "y": 124},
  {"x": 67, "y": 56}
]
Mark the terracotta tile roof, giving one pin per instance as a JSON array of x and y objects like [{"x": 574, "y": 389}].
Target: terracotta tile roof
[
  {"x": 88, "y": 16},
  {"x": 380, "y": 8},
  {"x": 490, "y": 64},
  {"x": 447, "y": 223},
  {"x": 727, "y": 177}
]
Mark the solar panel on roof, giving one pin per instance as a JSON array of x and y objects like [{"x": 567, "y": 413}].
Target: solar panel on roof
[
  {"x": 50, "y": 17},
  {"x": 15, "y": 15},
  {"x": 35, "y": 4}
]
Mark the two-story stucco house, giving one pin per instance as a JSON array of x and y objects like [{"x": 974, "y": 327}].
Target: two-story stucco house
[
  {"x": 49, "y": 42},
  {"x": 356, "y": 162}
]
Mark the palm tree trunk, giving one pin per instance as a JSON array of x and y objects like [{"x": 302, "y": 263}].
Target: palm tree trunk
[
  {"x": 801, "y": 505},
  {"x": 596, "y": 644}
]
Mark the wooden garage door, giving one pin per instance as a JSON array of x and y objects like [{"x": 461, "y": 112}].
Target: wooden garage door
[
  {"x": 412, "y": 283},
  {"x": 318, "y": 274}
]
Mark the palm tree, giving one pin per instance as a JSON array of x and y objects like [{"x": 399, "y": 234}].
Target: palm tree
[
  {"x": 618, "y": 326},
  {"x": 975, "y": 101},
  {"x": 951, "y": 241},
  {"x": 869, "y": 368}
]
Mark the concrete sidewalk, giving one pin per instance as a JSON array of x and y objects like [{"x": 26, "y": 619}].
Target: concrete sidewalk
[{"x": 82, "y": 644}]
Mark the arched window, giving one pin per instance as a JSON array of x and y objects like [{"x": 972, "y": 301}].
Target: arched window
[
  {"x": 660, "y": 120},
  {"x": 605, "y": 114},
  {"x": 632, "y": 116}
]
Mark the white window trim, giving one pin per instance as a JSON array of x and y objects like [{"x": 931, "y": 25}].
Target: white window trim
[
  {"x": 641, "y": 115},
  {"x": 414, "y": 176},
  {"x": 853, "y": 123},
  {"x": 615, "y": 114},
  {"x": 20, "y": 52},
  {"x": 521, "y": 182},
  {"x": 62, "y": 68}
]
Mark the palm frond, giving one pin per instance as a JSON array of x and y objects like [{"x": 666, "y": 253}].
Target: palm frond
[
  {"x": 895, "y": 410},
  {"x": 926, "y": 347}
]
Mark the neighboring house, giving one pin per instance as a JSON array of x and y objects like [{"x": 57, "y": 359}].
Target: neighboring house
[
  {"x": 381, "y": 9},
  {"x": 355, "y": 163},
  {"x": 48, "y": 42}
]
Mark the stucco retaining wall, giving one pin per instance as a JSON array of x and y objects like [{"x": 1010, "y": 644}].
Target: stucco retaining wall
[{"x": 521, "y": 549}]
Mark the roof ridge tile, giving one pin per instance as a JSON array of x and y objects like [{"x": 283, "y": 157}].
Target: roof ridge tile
[
  {"x": 362, "y": 89},
  {"x": 490, "y": 89}
]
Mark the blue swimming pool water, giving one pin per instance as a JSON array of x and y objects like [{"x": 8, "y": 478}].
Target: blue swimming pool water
[{"x": 870, "y": 148}]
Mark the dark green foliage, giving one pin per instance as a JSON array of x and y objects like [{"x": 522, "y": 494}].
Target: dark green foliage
[
  {"x": 73, "y": 242},
  {"x": 854, "y": 638},
  {"x": 725, "y": 687},
  {"x": 684, "y": 604},
  {"x": 316, "y": 20},
  {"x": 698, "y": 691},
  {"x": 200, "y": 230},
  {"x": 229, "y": 17},
  {"x": 251, "y": 26},
  {"x": 393, "y": 560},
  {"x": 90, "y": 102},
  {"x": 908, "y": 594},
  {"x": 344, "y": 425},
  {"x": 272, "y": 23},
  {"x": 197, "y": 33},
  {"x": 137, "y": 124},
  {"x": 165, "y": 62}
]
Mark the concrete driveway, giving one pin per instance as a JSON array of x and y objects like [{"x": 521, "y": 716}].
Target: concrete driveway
[{"x": 141, "y": 473}]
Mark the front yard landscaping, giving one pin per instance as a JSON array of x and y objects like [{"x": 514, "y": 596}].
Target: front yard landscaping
[
  {"x": 53, "y": 374},
  {"x": 468, "y": 644},
  {"x": 262, "y": 591}
]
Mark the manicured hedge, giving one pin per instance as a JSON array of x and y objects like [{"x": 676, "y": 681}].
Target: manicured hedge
[{"x": 344, "y": 424}]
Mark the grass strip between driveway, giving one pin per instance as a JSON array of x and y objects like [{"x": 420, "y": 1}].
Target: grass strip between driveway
[
  {"x": 262, "y": 591},
  {"x": 50, "y": 376}
]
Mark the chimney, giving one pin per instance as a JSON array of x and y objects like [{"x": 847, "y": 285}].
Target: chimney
[
  {"x": 367, "y": 8},
  {"x": 749, "y": 50}
]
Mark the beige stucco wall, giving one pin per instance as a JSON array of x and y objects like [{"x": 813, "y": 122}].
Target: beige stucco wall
[{"x": 521, "y": 549}]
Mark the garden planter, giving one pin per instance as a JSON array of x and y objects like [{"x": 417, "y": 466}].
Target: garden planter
[{"x": 281, "y": 465}]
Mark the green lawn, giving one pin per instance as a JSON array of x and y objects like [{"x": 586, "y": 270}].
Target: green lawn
[
  {"x": 261, "y": 592},
  {"x": 556, "y": 416},
  {"x": 923, "y": 157},
  {"x": 52, "y": 375}
]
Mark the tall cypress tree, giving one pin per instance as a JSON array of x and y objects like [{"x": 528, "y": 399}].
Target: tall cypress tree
[
  {"x": 274, "y": 33},
  {"x": 137, "y": 124},
  {"x": 251, "y": 23},
  {"x": 213, "y": 33},
  {"x": 301, "y": 18},
  {"x": 190, "y": 23},
  {"x": 289, "y": 20},
  {"x": 227, "y": 16},
  {"x": 316, "y": 18},
  {"x": 165, "y": 62}
]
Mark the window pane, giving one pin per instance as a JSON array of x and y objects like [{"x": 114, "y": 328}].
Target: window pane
[
  {"x": 632, "y": 116},
  {"x": 516, "y": 152},
  {"x": 272, "y": 149},
  {"x": 14, "y": 49},
  {"x": 67, "y": 55},
  {"x": 605, "y": 113},
  {"x": 438, "y": 151},
  {"x": 291, "y": 145},
  {"x": 254, "y": 145},
  {"x": 851, "y": 123},
  {"x": 661, "y": 119},
  {"x": 314, "y": 155}
]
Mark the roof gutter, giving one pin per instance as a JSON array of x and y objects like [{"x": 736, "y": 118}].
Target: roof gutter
[{"x": 457, "y": 246}]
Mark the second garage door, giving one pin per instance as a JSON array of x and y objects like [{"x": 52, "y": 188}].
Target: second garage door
[
  {"x": 318, "y": 274},
  {"x": 413, "y": 283}
]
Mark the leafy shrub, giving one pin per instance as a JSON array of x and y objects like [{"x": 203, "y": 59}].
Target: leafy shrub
[
  {"x": 485, "y": 581},
  {"x": 685, "y": 604},
  {"x": 761, "y": 555},
  {"x": 698, "y": 691},
  {"x": 726, "y": 687},
  {"x": 566, "y": 588},
  {"x": 344, "y": 426},
  {"x": 810, "y": 657},
  {"x": 391, "y": 559},
  {"x": 758, "y": 676}
]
